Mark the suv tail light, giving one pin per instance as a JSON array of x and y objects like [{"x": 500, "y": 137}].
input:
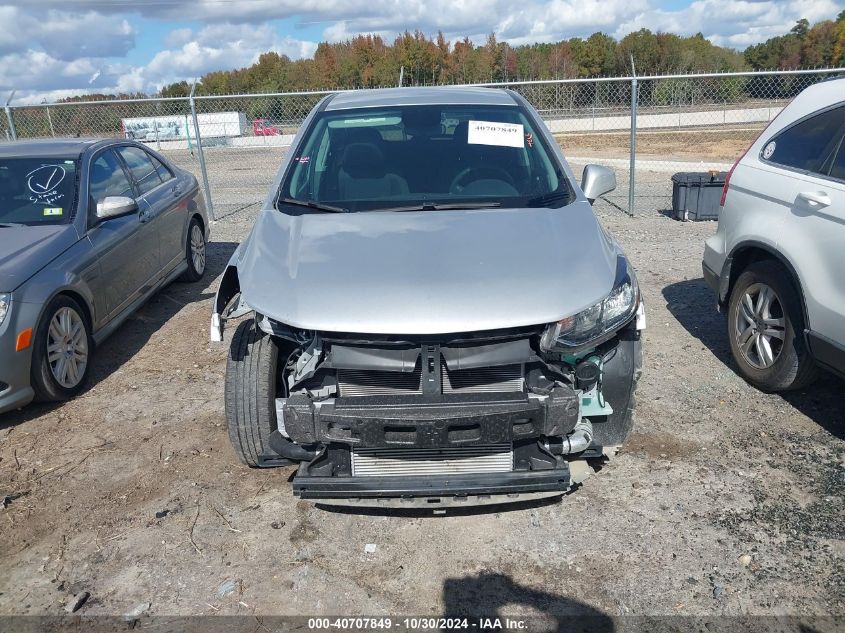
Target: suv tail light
[{"x": 728, "y": 180}]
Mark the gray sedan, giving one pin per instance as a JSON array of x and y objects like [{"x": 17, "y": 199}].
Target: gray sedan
[{"x": 89, "y": 229}]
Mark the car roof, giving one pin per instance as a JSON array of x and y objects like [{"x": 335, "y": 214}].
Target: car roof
[
  {"x": 432, "y": 95},
  {"x": 37, "y": 148}
]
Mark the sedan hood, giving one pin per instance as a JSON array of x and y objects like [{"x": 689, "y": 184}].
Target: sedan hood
[
  {"x": 24, "y": 250},
  {"x": 427, "y": 272}
]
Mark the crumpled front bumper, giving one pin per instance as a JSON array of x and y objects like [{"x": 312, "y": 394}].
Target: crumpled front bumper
[
  {"x": 435, "y": 490},
  {"x": 402, "y": 441}
]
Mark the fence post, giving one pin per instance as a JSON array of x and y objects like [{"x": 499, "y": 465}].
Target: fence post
[
  {"x": 9, "y": 117},
  {"x": 50, "y": 121},
  {"x": 200, "y": 153},
  {"x": 633, "y": 164}
]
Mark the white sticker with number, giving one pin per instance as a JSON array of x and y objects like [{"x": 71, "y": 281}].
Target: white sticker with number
[{"x": 493, "y": 133}]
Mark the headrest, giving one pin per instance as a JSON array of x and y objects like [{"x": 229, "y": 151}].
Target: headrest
[
  {"x": 363, "y": 160},
  {"x": 461, "y": 132}
]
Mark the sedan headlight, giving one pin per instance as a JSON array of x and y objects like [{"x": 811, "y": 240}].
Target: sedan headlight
[
  {"x": 606, "y": 316},
  {"x": 5, "y": 300}
]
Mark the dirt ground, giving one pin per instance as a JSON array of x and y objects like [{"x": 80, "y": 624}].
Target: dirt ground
[
  {"x": 721, "y": 145},
  {"x": 725, "y": 501}
]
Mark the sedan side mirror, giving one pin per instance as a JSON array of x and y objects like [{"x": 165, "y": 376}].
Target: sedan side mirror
[
  {"x": 597, "y": 181},
  {"x": 114, "y": 206}
]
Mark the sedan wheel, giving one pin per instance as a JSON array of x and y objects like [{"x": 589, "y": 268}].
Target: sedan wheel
[
  {"x": 198, "y": 249},
  {"x": 67, "y": 347},
  {"x": 760, "y": 326},
  {"x": 61, "y": 353},
  {"x": 195, "y": 254}
]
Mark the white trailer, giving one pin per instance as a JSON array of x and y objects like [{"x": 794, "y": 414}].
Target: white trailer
[{"x": 181, "y": 127}]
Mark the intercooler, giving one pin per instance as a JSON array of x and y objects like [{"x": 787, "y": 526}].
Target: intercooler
[
  {"x": 501, "y": 379},
  {"x": 385, "y": 462}
]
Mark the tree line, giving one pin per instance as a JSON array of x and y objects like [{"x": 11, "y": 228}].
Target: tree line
[{"x": 368, "y": 61}]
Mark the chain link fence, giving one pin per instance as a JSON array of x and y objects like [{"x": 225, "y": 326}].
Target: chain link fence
[{"x": 646, "y": 128}]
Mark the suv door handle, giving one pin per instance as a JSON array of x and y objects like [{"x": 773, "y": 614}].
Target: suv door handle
[
  {"x": 144, "y": 215},
  {"x": 176, "y": 191},
  {"x": 816, "y": 199}
]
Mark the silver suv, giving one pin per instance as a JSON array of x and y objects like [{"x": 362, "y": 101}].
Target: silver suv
[
  {"x": 777, "y": 260},
  {"x": 436, "y": 313}
]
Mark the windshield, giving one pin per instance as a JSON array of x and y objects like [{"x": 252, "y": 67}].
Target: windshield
[
  {"x": 412, "y": 157},
  {"x": 37, "y": 190}
]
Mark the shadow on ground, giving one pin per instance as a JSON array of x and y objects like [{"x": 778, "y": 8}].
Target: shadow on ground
[
  {"x": 693, "y": 304},
  {"x": 483, "y": 597},
  {"x": 134, "y": 333}
]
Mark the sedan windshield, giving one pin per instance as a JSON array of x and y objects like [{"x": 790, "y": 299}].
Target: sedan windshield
[
  {"x": 37, "y": 190},
  {"x": 422, "y": 158}
]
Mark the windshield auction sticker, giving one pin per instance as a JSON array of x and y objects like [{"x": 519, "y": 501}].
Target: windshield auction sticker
[{"x": 493, "y": 133}]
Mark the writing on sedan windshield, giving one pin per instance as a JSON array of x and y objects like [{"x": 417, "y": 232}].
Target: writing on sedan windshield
[
  {"x": 37, "y": 190},
  {"x": 44, "y": 183}
]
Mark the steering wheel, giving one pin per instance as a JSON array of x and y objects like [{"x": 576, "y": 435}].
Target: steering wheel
[{"x": 470, "y": 174}]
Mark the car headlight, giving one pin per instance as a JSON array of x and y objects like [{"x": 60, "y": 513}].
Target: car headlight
[
  {"x": 5, "y": 300},
  {"x": 598, "y": 320}
]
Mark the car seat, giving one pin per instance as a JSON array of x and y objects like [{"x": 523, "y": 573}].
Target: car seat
[{"x": 363, "y": 175}]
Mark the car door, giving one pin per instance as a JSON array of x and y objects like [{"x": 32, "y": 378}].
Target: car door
[
  {"x": 809, "y": 156},
  {"x": 173, "y": 216},
  {"x": 120, "y": 243},
  {"x": 155, "y": 196}
]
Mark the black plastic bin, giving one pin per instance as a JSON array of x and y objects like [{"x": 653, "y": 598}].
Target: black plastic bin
[{"x": 695, "y": 195}]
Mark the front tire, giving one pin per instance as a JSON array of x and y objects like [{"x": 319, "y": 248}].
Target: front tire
[
  {"x": 766, "y": 329},
  {"x": 250, "y": 392},
  {"x": 61, "y": 353},
  {"x": 195, "y": 252}
]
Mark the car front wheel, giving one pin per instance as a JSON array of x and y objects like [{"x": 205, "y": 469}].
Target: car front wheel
[
  {"x": 765, "y": 328},
  {"x": 250, "y": 393},
  {"x": 61, "y": 351}
]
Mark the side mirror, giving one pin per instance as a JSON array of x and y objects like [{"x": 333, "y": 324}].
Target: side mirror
[
  {"x": 596, "y": 181},
  {"x": 114, "y": 206}
]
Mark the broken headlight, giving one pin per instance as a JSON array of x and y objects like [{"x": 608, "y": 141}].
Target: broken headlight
[{"x": 606, "y": 316}]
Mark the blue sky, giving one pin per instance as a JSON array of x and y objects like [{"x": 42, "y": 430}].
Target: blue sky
[{"x": 56, "y": 48}]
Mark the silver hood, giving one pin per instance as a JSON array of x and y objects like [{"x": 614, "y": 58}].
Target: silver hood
[{"x": 428, "y": 272}]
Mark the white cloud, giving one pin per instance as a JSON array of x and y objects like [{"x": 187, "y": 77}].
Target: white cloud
[
  {"x": 47, "y": 47},
  {"x": 63, "y": 34},
  {"x": 218, "y": 47},
  {"x": 737, "y": 24}
]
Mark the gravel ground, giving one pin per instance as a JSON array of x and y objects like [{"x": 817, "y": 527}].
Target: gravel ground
[{"x": 725, "y": 501}]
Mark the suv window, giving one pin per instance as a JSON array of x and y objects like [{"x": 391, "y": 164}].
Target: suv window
[
  {"x": 837, "y": 169},
  {"x": 108, "y": 179},
  {"x": 808, "y": 145},
  {"x": 141, "y": 167}
]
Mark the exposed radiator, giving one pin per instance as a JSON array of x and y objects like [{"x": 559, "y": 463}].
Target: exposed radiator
[
  {"x": 407, "y": 462},
  {"x": 504, "y": 378},
  {"x": 352, "y": 383}
]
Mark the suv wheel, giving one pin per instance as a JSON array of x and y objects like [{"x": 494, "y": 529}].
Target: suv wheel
[
  {"x": 250, "y": 392},
  {"x": 61, "y": 353},
  {"x": 766, "y": 327}
]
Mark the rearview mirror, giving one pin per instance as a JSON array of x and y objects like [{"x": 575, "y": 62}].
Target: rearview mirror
[
  {"x": 114, "y": 206},
  {"x": 596, "y": 181}
]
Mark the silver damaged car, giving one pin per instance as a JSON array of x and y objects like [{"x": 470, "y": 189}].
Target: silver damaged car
[{"x": 430, "y": 311}]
